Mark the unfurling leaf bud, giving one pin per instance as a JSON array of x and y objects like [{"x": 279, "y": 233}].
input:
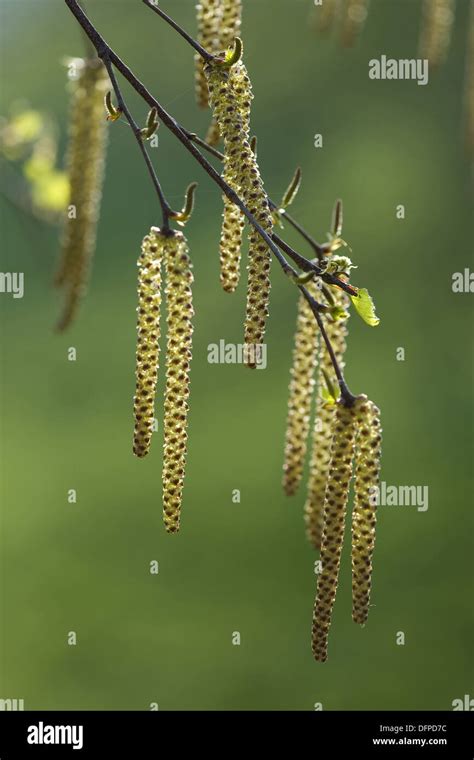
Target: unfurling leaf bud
[
  {"x": 183, "y": 216},
  {"x": 112, "y": 113},
  {"x": 292, "y": 189},
  {"x": 148, "y": 334},
  {"x": 179, "y": 279},
  {"x": 301, "y": 394},
  {"x": 367, "y": 483},
  {"x": 86, "y": 157}
]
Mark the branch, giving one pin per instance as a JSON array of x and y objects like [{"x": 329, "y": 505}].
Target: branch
[
  {"x": 347, "y": 396},
  {"x": 105, "y": 52},
  {"x": 305, "y": 264},
  {"x": 199, "y": 49},
  {"x": 317, "y": 248},
  {"x": 165, "y": 207}
]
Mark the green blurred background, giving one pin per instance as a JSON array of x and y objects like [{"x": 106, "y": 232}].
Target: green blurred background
[{"x": 245, "y": 567}]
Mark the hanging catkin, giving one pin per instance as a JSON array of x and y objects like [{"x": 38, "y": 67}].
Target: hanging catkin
[
  {"x": 86, "y": 158},
  {"x": 208, "y": 23},
  {"x": 148, "y": 334},
  {"x": 301, "y": 388},
  {"x": 231, "y": 22},
  {"x": 353, "y": 21},
  {"x": 233, "y": 219},
  {"x": 335, "y": 505},
  {"x": 323, "y": 424},
  {"x": 229, "y": 97},
  {"x": 437, "y": 22},
  {"x": 367, "y": 481},
  {"x": 179, "y": 279}
]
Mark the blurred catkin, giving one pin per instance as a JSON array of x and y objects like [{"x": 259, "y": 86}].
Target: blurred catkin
[
  {"x": 353, "y": 20},
  {"x": 148, "y": 335},
  {"x": 230, "y": 98},
  {"x": 435, "y": 36},
  {"x": 323, "y": 424},
  {"x": 367, "y": 481},
  {"x": 209, "y": 14},
  {"x": 301, "y": 389},
  {"x": 179, "y": 302},
  {"x": 323, "y": 16},
  {"x": 85, "y": 161},
  {"x": 335, "y": 505}
]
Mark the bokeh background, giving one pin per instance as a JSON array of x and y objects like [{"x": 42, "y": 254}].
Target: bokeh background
[{"x": 245, "y": 567}]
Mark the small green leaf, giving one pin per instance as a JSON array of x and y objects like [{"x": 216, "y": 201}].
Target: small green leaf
[
  {"x": 338, "y": 313},
  {"x": 365, "y": 307},
  {"x": 328, "y": 391}
]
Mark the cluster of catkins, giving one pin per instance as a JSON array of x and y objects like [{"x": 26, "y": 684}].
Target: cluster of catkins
[
  {"x": 344, "y": 434},
  {"x": 86, "y": 160},
  {"x": 230, "y": 97},
  {"x": 171, "y": 251},
  {"x": 218, "y": 24}
]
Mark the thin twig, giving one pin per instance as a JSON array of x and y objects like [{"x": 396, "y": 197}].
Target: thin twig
[
  {"x": 199, "y": 49},
  {"x": 165, "y": 208},
  {"x": 347, "y": 396}
]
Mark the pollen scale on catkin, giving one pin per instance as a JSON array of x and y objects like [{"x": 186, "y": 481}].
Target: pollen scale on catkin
[{"x": 85, "y": 161}]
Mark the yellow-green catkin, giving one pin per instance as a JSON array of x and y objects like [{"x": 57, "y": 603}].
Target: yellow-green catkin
[
  {"x": 230, "y": 97},
  {"x": 209, "y": 13},
  {"x": 86, "y": 159},
  {"x": 213, "y": 135},
  {"x": 148, "y": 335},
  {"x": 437, "y": 22},
  {"x": 179, "y": 301},
  {"x": 301, "y": 389},
  {"x": 367, "y": 482},
  {"x": 231, "y": 22},
  {"x": 353, "y": 21},
  {"x": 323, "y": 424},
  {"x": 233, "y": 221},
  {"x": 335, "y": 506}
]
